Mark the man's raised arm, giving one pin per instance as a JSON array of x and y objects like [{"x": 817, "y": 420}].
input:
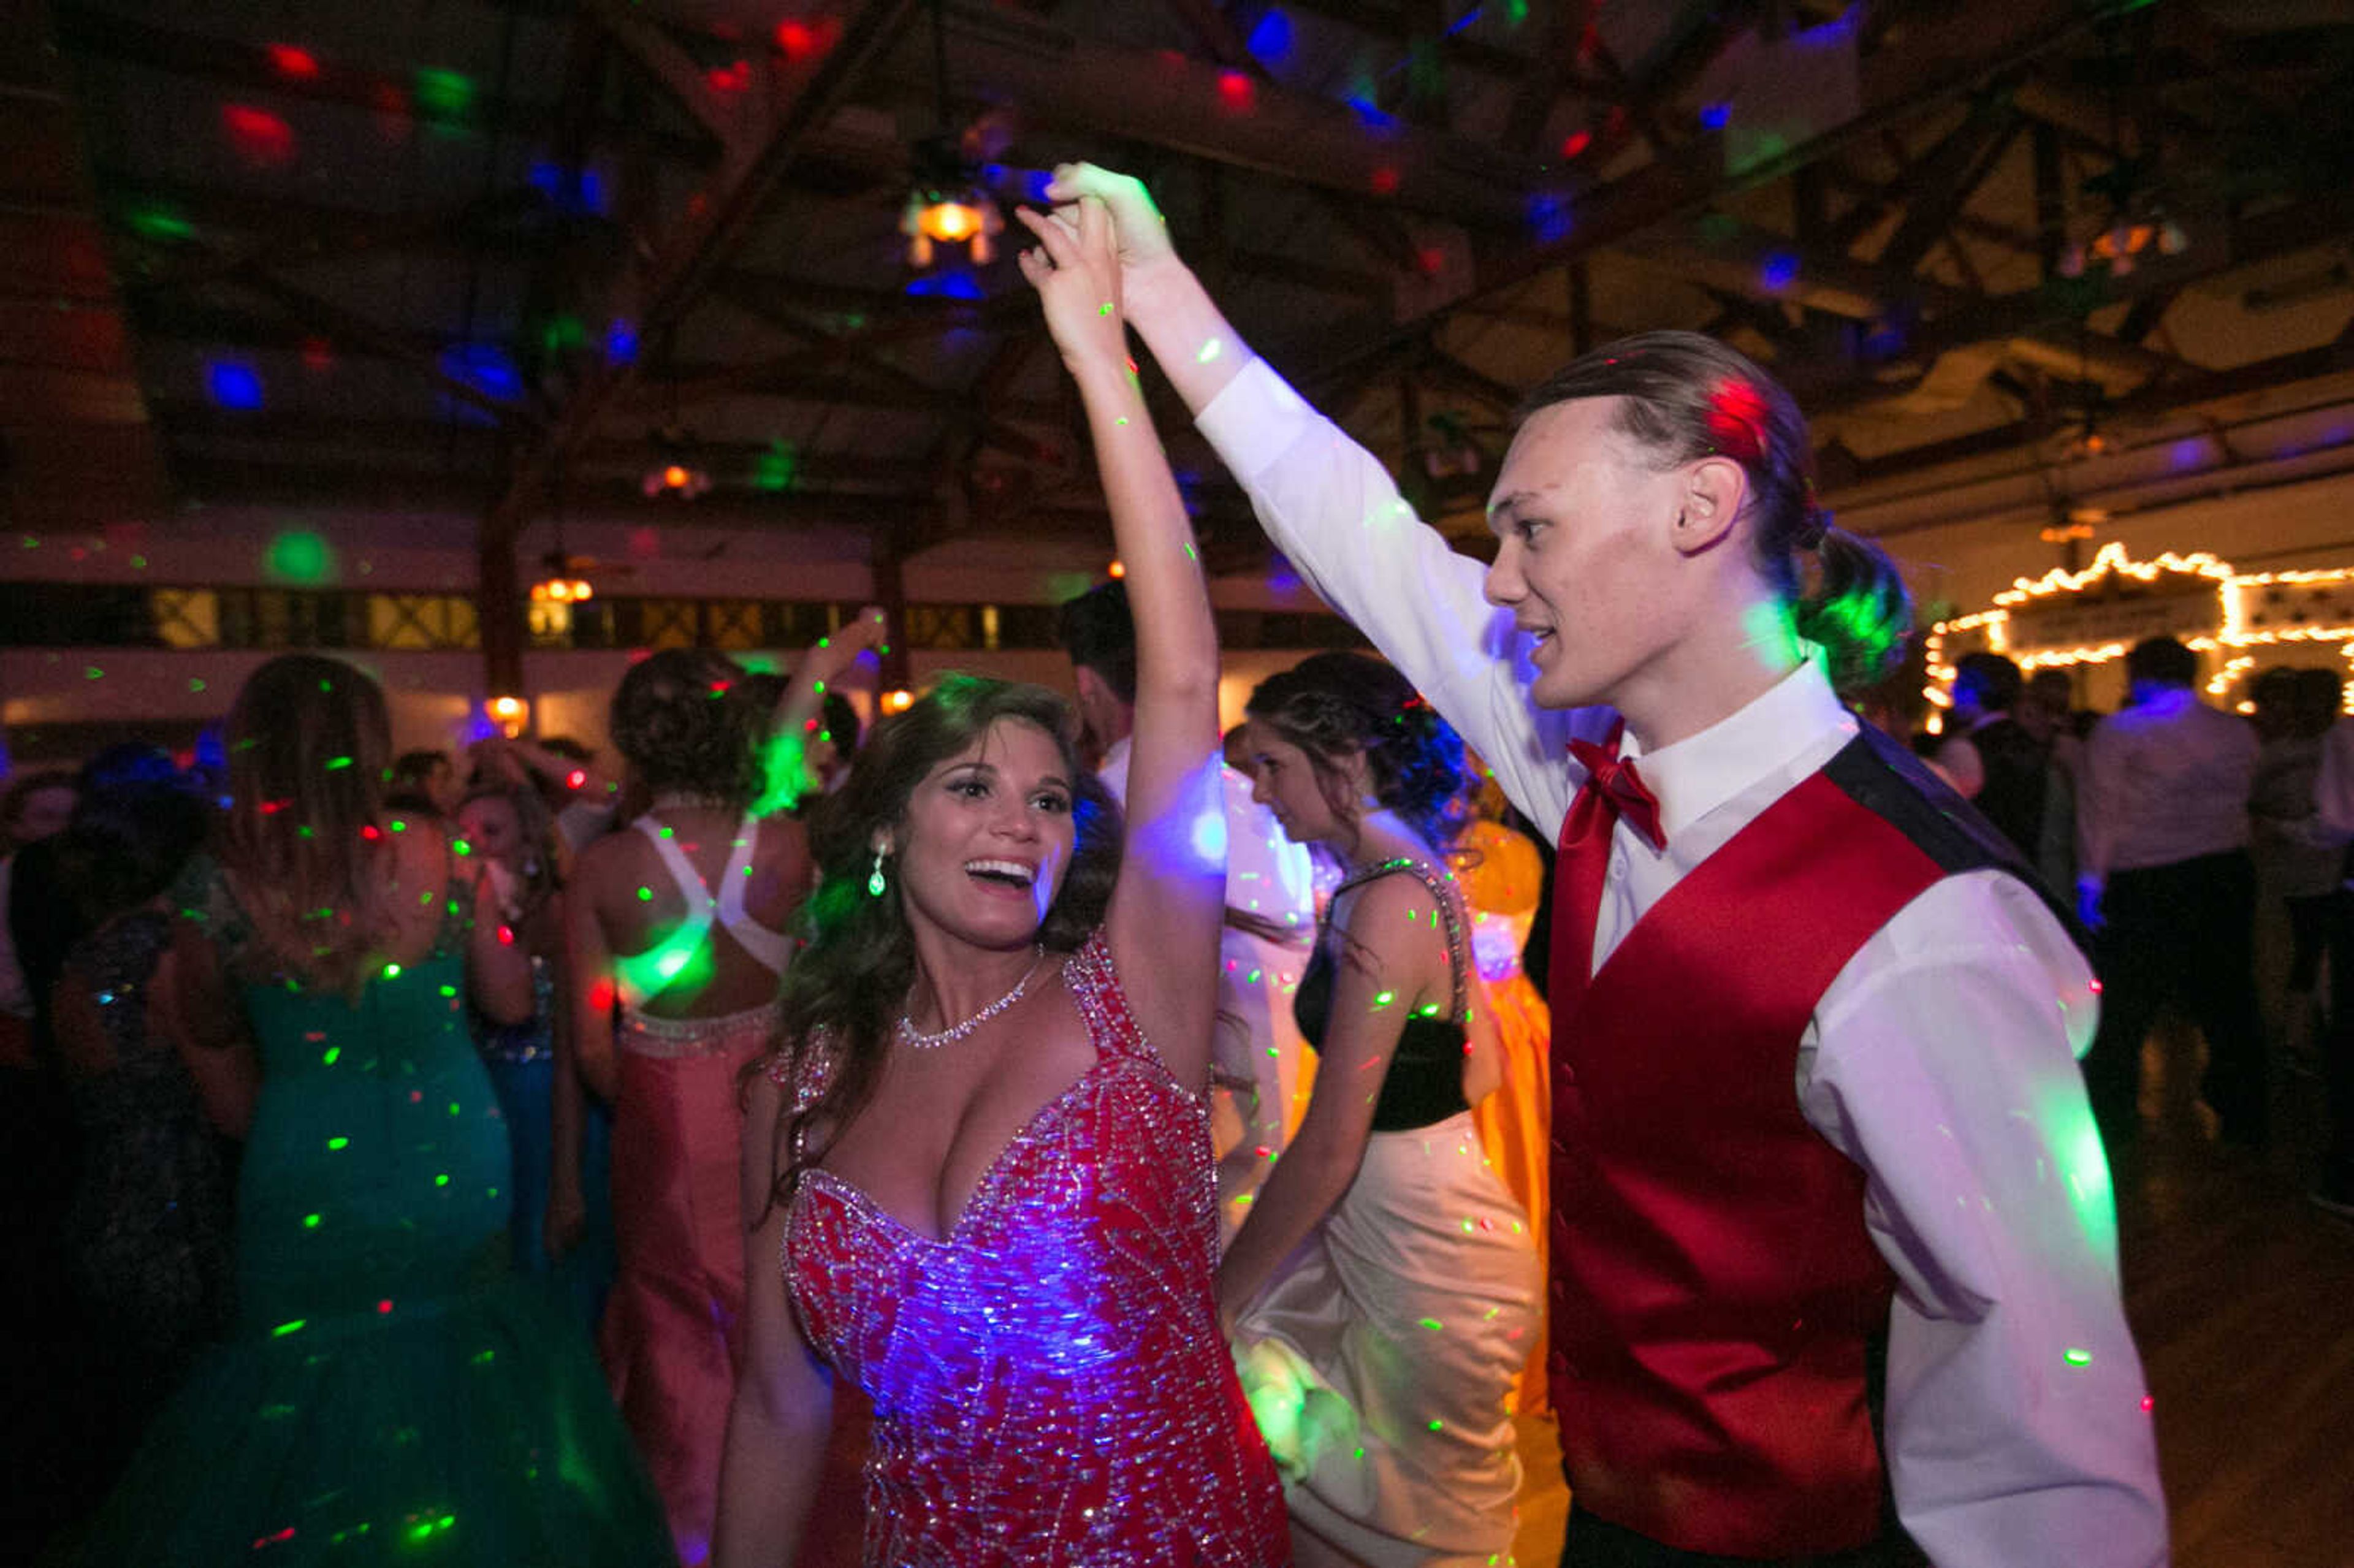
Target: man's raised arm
[{"x": 1334, "y": 512}]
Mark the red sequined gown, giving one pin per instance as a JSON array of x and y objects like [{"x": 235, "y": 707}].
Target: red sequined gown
[{"x": 1049, "y": 1382}]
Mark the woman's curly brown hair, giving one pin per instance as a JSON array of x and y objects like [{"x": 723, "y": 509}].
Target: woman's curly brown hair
[{"x": 684, "y": 722}]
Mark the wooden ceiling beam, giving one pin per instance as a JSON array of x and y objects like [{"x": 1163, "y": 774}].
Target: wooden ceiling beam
[
  {"x": 703, "y": 244},
  {"x": 1559, "y": 38},
  {"x": 1941, "y": 182},
  {"x": 1164, "y": 100},
  {"x": 1935, "y": 59},
  {"x": 2066, "y": 303},
  {"x": 359, "y": 482},
  {"x": 2202, "y": 391},
  {"x": 121, "y": 36}
]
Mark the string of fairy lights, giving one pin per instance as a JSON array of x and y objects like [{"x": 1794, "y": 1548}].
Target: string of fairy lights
[{"x": 2243, "y": 620}]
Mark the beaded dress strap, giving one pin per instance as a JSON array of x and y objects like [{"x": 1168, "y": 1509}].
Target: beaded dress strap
[
  {"x": 1436, "y": 881},
  {"x": 1095, "y": 987}
]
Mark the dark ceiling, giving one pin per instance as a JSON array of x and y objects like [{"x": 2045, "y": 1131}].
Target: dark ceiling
[{"x": 468, "y": 254}]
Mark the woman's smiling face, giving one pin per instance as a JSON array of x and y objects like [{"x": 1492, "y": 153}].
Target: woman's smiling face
[{"x": 987, "y": 838}]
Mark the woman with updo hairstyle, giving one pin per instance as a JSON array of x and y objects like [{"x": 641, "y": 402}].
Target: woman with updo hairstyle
[
  {"x": 676, "y": 930},
  {"x": 1385, "y": 1215},
  {"x": 389, "y": 1389}
]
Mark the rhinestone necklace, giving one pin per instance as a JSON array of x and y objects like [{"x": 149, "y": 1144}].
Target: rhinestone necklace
[{"x": 908, "y": 1035}]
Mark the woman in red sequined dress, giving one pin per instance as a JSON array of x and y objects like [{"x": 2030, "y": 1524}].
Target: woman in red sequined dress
[{"x": 979, "y": 1169}]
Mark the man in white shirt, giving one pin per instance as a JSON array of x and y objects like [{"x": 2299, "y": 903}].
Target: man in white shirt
[
  {"x": 2163, "y": 873},
  {"x": 1256, "y": 1061},
  {"x": 1648, "y": 576},
  {"x": 2333, "y": 804}
]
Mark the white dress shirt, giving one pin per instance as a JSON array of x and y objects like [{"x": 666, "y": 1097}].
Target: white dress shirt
[
  {"x": 1257, "y": 1054},
  {"x": 2164, "y": 780},
  {"x": 1941, "y": 1060}
]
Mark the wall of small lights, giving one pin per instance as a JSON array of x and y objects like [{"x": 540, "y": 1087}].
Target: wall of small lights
[{"x": 2237, "y": 621}]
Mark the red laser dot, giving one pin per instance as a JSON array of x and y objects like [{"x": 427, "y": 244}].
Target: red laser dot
[
  {"x": 575, "y": 779},
  {"x": 260, "y": 136},
  {"x": 384, "y": 1308},
  {"x": 293, "y": 61},
  {"x": 1576, "y": 141},
  {"x": 1237, "y": 91},
  {"x": 1386, "y": 181}
]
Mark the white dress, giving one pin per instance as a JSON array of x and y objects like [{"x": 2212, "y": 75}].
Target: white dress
[{"x": 1380, "y": 1361}]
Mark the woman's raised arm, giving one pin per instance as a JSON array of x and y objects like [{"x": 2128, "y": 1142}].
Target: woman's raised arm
[{"x": 1164, "y": 921}]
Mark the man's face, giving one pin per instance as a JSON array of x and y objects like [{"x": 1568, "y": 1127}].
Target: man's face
[{"x": 1587, "y": 564}]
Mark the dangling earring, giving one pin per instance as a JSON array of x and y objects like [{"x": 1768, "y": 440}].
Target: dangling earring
[{"x": 874, "y": 883}]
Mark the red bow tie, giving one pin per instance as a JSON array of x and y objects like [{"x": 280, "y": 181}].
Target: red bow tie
[{"x": 1622, "y": 788}]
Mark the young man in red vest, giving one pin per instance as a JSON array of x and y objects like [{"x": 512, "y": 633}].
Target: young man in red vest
[{"x": 1829, "y": 1211}]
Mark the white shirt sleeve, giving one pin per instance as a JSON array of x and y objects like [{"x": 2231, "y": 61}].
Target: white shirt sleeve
[
  {"x": 2333, "y": 793},
  {"x": 2096, "y": 803},
  {"x": 1335, "y": 513},
  {"x": 1942, "y": 1061},
  {"x": 1963, "y": 768}
]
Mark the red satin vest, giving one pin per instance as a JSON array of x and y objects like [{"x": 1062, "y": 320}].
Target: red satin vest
[{"x": 1714, "y": 1286}]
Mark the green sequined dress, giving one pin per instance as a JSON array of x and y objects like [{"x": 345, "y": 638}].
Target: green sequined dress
[{"x": 392, "y": 1393}]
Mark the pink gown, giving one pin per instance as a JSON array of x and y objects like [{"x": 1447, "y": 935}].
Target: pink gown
[
  {"x": 1049, "y": 1382},
  {"x": 671, "y": 1331}
]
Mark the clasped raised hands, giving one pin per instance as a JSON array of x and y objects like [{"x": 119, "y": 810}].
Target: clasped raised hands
[{"x": 1076, "y": 270}]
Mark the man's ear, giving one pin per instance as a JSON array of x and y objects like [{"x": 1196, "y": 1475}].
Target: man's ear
[
  {"x": 1090, "y": 685},
  {"x": 1715, "y": 489}
]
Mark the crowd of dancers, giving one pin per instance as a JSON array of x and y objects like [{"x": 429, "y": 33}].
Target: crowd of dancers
[{"x": 1021, "y": 1141}]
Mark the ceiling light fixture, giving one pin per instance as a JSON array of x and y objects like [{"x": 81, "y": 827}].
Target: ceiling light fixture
[{"x": 947, "y": 204}]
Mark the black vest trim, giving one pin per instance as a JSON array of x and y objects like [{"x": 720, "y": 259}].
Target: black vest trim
[{"x": 1886, "y": 780}]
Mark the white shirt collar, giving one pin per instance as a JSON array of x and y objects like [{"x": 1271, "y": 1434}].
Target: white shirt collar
[{"x": 1702, "y": 772}]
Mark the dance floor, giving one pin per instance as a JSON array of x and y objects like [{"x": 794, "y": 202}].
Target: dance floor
[{"x": 2241, "y": 1295}]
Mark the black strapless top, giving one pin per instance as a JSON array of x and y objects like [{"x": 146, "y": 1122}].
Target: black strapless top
[{"x": 1424, "y": 1083}]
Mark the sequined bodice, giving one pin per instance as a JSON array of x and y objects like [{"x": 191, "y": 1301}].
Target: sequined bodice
[{"x": 1049, "y": 1380}]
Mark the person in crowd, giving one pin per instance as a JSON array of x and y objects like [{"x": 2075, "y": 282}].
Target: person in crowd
[
  {"x": 1998, "y": 754},
  {"x": 1256, "y": 1092},
  {"x": 983, "y": 1154},
  {"x": 2046, "y": 710},
  {"x": 2164, "y": 874},
  {"x": 390, "y": 1387},
  {"x": 1384, "y": 1213},
  {"x": 53, "y": 1472},
  {"x": 147, "y": 1235},
  {"x": 835, "y": 743},
  {"x": 1994, "y": 762},
  {"x": 676, "y": 930},
  {"x": 563, "y": 1225},
  {"x": 1506, "y": 876},
  {"x": 2334, "y": 809},
  {"x": 425, "y": 781},
  {"x": 582, "y": 797},
  {"x": 1801, "y": 993},
  {"x": 36, "y": 806},
  {"x": 2298, "y": 863}
]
